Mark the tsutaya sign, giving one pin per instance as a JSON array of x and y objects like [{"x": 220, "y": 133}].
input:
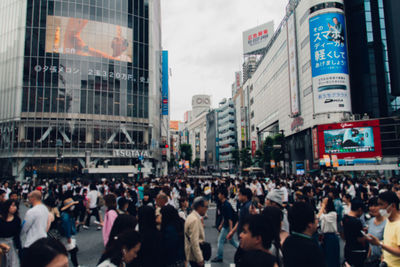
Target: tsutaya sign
[{"x": 121, "y": 153}]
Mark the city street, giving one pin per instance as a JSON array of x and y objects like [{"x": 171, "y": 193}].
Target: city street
[{"x": 90, "y": 242}]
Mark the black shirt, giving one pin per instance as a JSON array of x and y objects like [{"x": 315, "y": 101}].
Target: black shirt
[
  {"x": 227, "y": 213},
  {"x": 10, "y": 229},
  {"x": 352, "y": 228},
  {"x": 256, "y": 258},
  {"x": 299, "y": 251}
]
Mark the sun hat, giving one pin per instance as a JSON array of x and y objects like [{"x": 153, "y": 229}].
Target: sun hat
[{"x": 68, "y": 203}]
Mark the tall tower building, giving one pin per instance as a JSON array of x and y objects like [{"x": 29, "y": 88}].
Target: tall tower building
[{"x": 80, "y": 86}]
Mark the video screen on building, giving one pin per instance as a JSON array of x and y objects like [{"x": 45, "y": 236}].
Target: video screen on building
[
  {"x": 84, "y": 37},
  {"x": 349, "y": 140}
]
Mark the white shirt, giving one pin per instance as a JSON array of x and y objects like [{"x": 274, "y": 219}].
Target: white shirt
[
  {"x": 92, "y": 196},
  {"x": 285, "y": 197},
  {"x": 329, "y": 222},
  {"x": 35, "y": 224}
]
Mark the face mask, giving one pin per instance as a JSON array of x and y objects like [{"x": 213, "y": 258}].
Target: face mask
[{"x": 384, "y": 213}]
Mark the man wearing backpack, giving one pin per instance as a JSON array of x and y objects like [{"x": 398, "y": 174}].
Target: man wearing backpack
[{"x": 226, "y": 224}]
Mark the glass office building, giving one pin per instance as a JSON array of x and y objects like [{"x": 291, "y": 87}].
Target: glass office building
[
  {"x": 373, "y": 33},
  {"x": 79, "y": 79}
]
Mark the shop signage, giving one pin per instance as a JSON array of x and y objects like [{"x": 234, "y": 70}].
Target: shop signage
[{"x": 122, "y": 153}]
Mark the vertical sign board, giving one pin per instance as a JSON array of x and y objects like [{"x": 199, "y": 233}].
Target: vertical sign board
[
  {"x": 293, "y": 76},
  {"x": 315, "y": 143},
  {"x": 165, "y": 83},
  {"x": 329, "y": 64}
]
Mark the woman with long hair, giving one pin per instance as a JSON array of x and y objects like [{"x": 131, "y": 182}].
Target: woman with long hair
[
  {"x": 123, "y": 223},
  {"x": 274, "y": 215},
  {"x": 330, "y": 244},
  {"x": 122, "y": 249},
  {"x": 10, "y": 229},
  {"x": 150, "y": 238},
  {"x": 172, "y": 237},
  {"x": 111, "y": 214}
]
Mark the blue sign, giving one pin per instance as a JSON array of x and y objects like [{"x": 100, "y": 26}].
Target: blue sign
[
  {"x": 329, "y": 64},
  {"x": 328, "y": 44},
  {"x": 165, "y": 83}
]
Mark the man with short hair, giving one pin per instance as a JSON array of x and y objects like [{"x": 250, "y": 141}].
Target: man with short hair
[
  {"x": 226, "y": 224},
  {"x": 36, "y": 219},
  {"x": 194, "y": 232},
  {"x": 356, "y": 247},
  {"x": 300, "y": 249},
  {"x": 389, "y": 208},
  {"x": 256, "y": 239},
  {"x": 245, "y": 195}
]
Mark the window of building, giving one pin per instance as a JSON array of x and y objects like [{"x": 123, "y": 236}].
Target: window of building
[
  {"x": 306, "y": 66},
  {"x": 305, "y": 41}
]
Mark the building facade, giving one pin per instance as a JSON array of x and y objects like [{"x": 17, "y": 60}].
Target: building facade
[
  {"x": 226, "y": 134},
  {"x": 81, "y": 85},
  {"x": 196, "y": 127},
  {"x": 310, "y": 82}
]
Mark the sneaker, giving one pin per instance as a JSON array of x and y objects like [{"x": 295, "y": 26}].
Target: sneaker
[
  {"x": 96, "y": 222},
  {"x": 98, "y": 228},
  {"x": 85, "y": 227},
  {"x": 216, "y": 260}
]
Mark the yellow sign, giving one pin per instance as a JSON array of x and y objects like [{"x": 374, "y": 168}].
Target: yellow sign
[
  {"x": 335, "y": 161},
  {"x": 272, "y": 163},
  {"x": 327, "y": 160}
]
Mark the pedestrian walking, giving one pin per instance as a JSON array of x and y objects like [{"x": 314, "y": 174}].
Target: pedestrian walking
[
  {"x": 10, "y": 228},
  {"x": 194, "y": 232},
  {"x": 68, "y": 229},
  {"x": 226, "y": 225},
  {"x": 36, "y": 220}
]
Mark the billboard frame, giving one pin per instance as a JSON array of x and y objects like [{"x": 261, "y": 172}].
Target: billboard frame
[{"x": 374, "y": 124}]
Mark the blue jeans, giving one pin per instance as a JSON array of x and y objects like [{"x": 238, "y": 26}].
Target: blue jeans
[{"x": 221, "y": 241}]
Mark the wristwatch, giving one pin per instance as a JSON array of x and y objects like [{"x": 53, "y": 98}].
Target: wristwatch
[{"x": 381, "y": 243}]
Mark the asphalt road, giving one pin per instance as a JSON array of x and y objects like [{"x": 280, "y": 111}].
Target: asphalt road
[{"x": 91, "y": 246}]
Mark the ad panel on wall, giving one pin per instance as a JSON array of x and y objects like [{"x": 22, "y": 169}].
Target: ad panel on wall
[
  {"x": 293, "y": 77},
  {"x": 257, "y": 38},
  {"x": 84, "y": 37},
  {"x": 329, "y": 63},
  {"x": 165, "y": 83}
]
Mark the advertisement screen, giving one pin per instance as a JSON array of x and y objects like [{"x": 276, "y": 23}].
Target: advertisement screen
[
  {"x": 329, "y": 63},
  {"x": 349, "y": 140},
  {"x": 88, "y": 38}
]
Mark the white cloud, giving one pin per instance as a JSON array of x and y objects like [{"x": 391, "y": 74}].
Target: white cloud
[{"x": 204, "y": 40}]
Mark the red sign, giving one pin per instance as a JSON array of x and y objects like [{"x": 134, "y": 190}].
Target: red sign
[
  {"x": 358, "y": 139},
  {"x": 259, "y": 34},
  {"x": 253, "y": 148}
]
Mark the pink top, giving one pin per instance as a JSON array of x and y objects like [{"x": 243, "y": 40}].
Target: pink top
[{"x": 109, "y": 219}]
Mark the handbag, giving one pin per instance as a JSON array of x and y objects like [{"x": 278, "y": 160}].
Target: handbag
[{"x": 206, "y": 250}]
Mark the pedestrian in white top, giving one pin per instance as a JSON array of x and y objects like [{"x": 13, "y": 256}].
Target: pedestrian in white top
[
  {"x": 35, "y": 224},
  {"x": 328, "y": 218}
]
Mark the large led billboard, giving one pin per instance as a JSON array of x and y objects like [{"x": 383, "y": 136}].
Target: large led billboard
[
  {"x": 65, "y": 35},
  {"x": 349, "y": 140},
  {"x": 329, "y": 64},
  {"x": 360, "y": 139},
  {"x": 257, "y": 38}
]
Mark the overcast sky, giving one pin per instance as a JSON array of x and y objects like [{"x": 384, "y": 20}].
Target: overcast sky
[{"x": 204, "y": 40}]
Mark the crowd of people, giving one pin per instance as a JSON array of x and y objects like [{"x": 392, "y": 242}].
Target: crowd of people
[{"x": 297, "y": 221}]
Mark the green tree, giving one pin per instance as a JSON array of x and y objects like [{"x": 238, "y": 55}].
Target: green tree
[
  {"x": 277, "y": 153},
  {"x": 259, "y": 158},
  {"x": 236, "y": 157},
  {"x": 245, "y": 157},
  {"x": 186, "y": 152}
]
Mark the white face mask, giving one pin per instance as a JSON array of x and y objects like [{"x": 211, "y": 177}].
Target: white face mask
[{"x": 384, "y": 213}]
